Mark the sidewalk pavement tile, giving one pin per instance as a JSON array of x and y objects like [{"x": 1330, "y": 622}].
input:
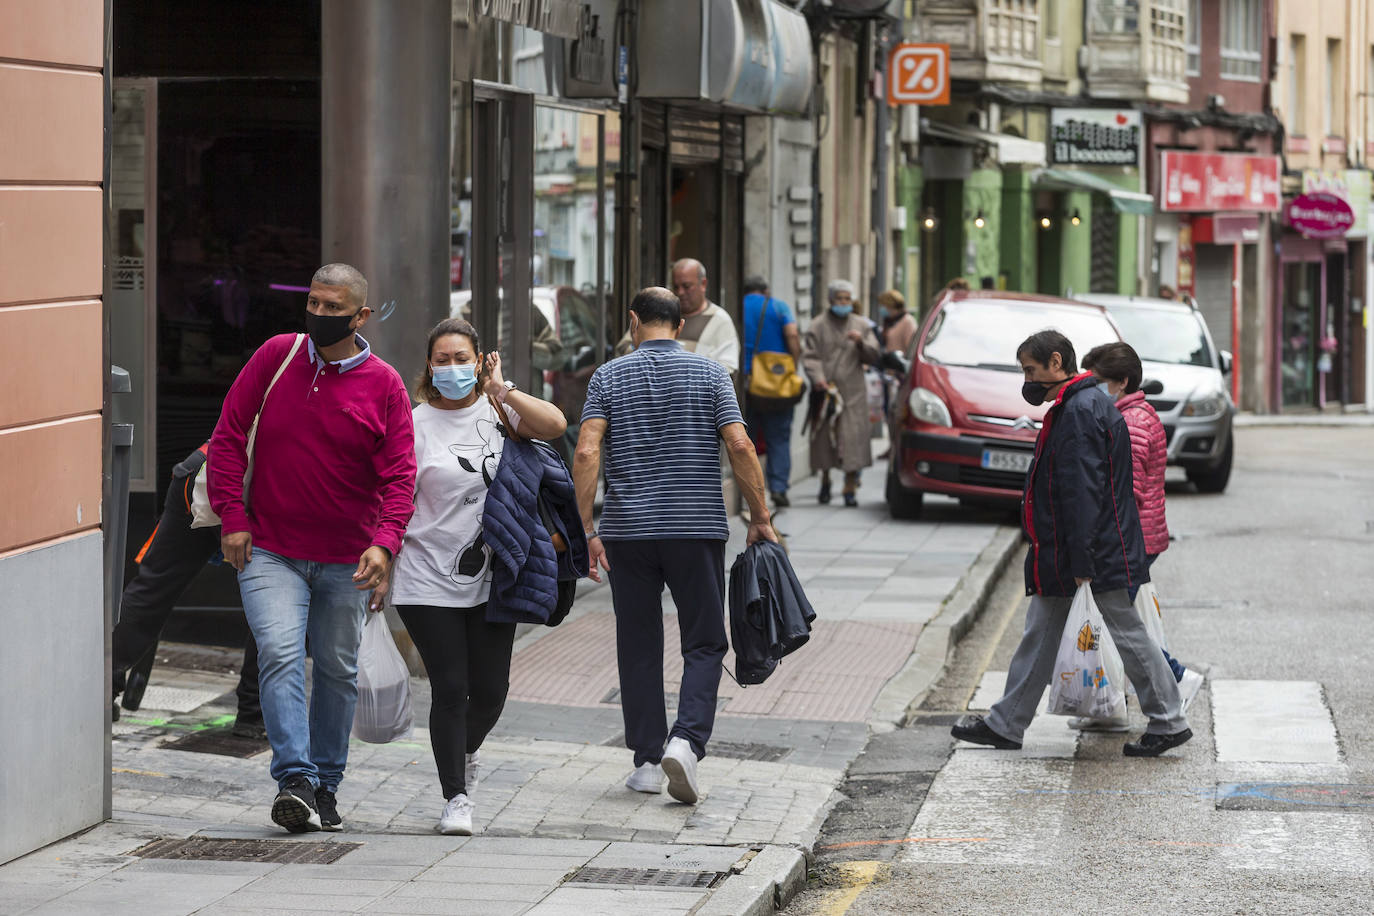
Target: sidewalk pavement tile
[
  {"x": 596, "y": 901},
  {"x": 273, "y": 902},
  {"x": 343, "y": 883},
  {"x": 462, "y": 873},
  {"x": 519, "y": 893},
  {"x": 667, "y": 856},
  {"x": 445, "y": 906}
]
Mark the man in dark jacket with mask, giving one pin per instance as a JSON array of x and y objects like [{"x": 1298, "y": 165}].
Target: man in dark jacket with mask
[{"x": 1080, "y": 517}]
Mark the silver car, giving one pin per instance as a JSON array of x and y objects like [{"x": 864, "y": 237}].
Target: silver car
[{"x": 1194, "y": 403}]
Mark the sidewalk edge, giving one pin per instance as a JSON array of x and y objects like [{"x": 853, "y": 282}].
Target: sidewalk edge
[
  {"x": 767, "y": 884},
  {"x": 893, "y": 708}
]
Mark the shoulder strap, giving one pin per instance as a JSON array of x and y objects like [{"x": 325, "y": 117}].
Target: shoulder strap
[
  {"x": 282, "y": 368},
  {"x": 758, "y": 332},
  {"x": 504, "y": 419}
]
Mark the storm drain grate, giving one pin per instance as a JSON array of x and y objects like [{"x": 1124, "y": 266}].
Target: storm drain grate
[
  {"x": 1290, "y": 796},
  {"x": 647, "y": 877},
  {"x": 213, "y": 849},
  {"x": 743, "y": 750},
  {"x": 218, "y": 741}
]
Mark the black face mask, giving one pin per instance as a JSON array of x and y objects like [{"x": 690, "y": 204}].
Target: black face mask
[
  {"x": 327, "y": 330},
  {"x": 1034, "y": 392}
]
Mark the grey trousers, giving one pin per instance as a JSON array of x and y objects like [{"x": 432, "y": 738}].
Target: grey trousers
[{"x": 1033, "y": 665}]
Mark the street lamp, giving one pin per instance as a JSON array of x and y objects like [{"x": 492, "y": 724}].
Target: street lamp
[
  {"x": 1045, "y": 221},
  {"x": 978, "y": 221},
  {"x": 1075, "y": 219}
]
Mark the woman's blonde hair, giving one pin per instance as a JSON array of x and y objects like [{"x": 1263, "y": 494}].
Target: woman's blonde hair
[{"x": 424, "y": 382}]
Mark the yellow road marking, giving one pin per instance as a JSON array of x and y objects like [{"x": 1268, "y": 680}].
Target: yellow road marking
[
  {"x": 857, "y": 877},
  {"x": 138, "y": 772}
]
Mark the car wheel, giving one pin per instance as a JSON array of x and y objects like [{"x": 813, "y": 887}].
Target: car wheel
[
  {"x": 1215, "y": 479},
  {"x": 902, "y": 503}
]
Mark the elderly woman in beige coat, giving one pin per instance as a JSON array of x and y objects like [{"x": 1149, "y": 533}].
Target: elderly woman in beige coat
[{"x": 835, "y": 349}]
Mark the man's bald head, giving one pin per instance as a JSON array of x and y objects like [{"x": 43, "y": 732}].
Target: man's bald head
[{"x": 689, "y": 282}]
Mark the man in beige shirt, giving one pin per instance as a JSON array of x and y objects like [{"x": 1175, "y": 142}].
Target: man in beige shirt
[{"x": 706, "y": 327}]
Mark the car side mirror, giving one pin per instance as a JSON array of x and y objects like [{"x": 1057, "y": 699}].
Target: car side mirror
[
  {"x": 1226, "y": 362},
  {"x": 1152, "y": 386}
]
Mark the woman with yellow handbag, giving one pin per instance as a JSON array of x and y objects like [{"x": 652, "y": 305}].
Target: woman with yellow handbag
[{"x": 772, "y": 349}]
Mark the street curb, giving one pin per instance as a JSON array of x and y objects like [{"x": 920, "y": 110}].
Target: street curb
[
  {"x": 894, "y": 707},
  {"x": 1281, "y": 421},
  {"x": 767, "y": 884}
]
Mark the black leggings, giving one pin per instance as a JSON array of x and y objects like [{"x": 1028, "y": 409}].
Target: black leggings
[{"x": 468, "y": 662}]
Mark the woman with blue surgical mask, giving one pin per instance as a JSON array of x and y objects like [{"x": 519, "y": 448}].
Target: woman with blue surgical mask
[
  {"x": 835, "y": 349},
  {"x": 442, "y": 575}
]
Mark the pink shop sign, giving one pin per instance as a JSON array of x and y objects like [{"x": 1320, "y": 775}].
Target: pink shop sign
[{"x": 1320, "y": 215}]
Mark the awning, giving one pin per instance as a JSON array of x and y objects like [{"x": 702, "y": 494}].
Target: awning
[
  {"x": 1010, "y": 149},
  {"x": 1123, "y": 201}
]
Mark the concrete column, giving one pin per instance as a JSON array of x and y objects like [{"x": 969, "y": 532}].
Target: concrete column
[
  {"x": 1076, "y": 248},
  {"x": 385, "y": 96}
]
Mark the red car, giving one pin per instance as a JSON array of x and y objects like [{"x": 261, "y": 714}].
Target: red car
[{"x": 961, "y": 426}]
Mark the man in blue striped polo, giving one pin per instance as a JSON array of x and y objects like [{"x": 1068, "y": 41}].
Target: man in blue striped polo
[{"x": 659, "y": 414}]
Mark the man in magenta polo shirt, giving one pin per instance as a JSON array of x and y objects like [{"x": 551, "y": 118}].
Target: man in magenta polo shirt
[{"x": 333, "y": 486}]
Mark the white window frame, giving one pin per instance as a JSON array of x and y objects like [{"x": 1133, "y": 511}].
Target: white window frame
[
  {"x": 1241, "y": 41},
  {"x": 1333, "y": 116},
  {"x": 1297, "y": 79}
]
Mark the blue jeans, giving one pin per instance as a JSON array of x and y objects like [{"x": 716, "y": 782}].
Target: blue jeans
[
  {"x": 287, "y": 602},
  {"x": 776, "y": 429}
]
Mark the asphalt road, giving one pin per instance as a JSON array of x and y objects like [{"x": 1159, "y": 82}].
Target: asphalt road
[{"x": 1270, "y": 809}]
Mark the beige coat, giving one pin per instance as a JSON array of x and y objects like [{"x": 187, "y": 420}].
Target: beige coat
[{"x": 828, "y": 355}]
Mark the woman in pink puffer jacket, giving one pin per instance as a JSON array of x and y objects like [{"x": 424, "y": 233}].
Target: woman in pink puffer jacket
[{"x": 1117, "y": 365}]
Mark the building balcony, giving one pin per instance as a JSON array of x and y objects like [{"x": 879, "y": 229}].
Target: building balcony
[
  {"x": 1136, "y": 50},
  {"x": 989, "y": 40}
]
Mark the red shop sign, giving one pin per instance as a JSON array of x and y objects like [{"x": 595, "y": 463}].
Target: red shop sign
[
  {"x": 1320, "y": 216},
  {"x": 1220, "y": 181}
]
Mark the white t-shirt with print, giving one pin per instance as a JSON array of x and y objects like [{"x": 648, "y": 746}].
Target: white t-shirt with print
[{"x": 443, "y": 560}]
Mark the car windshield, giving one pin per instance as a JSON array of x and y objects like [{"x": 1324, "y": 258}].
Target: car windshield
[
  {"x": 1164, "y": 335},
  {"x": 984, "y": 333}
]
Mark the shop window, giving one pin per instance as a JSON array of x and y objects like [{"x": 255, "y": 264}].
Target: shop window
[{"x": 1240, "y": 39}]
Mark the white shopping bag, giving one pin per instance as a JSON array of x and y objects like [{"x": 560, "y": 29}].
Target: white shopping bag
[
  {"x": 1088, "y": 676},
  {"x": 1147, "y": 606},
  {"x": 383, "y": 713}
]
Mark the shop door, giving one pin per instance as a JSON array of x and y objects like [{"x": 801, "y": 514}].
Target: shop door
[
  {"x": 1334, "y": 359},
  {"x": 1299, "y": 333},
  {"x": 502, "y": 228}
]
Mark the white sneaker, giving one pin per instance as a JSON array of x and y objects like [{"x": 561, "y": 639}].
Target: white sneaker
[
  {"x": 680, "y": 766},
  {"x": 1188, "y": 687},
  {"x": 647, "y": 777},
  {"x": 1090, "y": 724},
  {"x": 457, "y": 817},
  {"x": 472, "y": 772}
]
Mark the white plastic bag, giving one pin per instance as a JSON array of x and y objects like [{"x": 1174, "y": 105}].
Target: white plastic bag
[
  {"x": 1147, "y": 606},
  {"x": 1088, "y": 676},
  {"x": 383, "y": 713}
]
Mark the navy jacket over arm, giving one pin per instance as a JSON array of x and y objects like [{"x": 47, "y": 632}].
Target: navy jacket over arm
[
  {"x": 526, "y": 569},
  {"x": 1079, "y": 511}
]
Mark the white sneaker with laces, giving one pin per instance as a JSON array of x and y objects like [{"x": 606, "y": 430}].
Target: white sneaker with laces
[
  {"x": 1090, "y": 724},
  {"x": 1189, "y": 687},
  {"x": 680, "y": 766},
  {"x": 647, "y": 778},
  {"x": 472, "y": 771},
  {"x": 457, "y": 817}
]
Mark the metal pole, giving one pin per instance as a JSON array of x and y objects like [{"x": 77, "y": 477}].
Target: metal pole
[
  {"x": 1236, "y": 255},
  {"x": 881, "y": 159},
  {"x": 627, "y": 190},
  {"x": 600, "y": 347}
]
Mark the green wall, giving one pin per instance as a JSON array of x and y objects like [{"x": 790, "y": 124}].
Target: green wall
[
  {"x": 982, "y": 192},
  {"x": 1017, "y": 231}
]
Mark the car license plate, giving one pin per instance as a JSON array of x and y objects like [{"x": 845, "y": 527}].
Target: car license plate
[{"x": 1001, "y": 460}]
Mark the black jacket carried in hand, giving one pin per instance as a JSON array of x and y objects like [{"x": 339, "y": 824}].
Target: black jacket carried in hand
[
  {"x": 1078, "y": 510},
  {"x": 770, "y": 615}
]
